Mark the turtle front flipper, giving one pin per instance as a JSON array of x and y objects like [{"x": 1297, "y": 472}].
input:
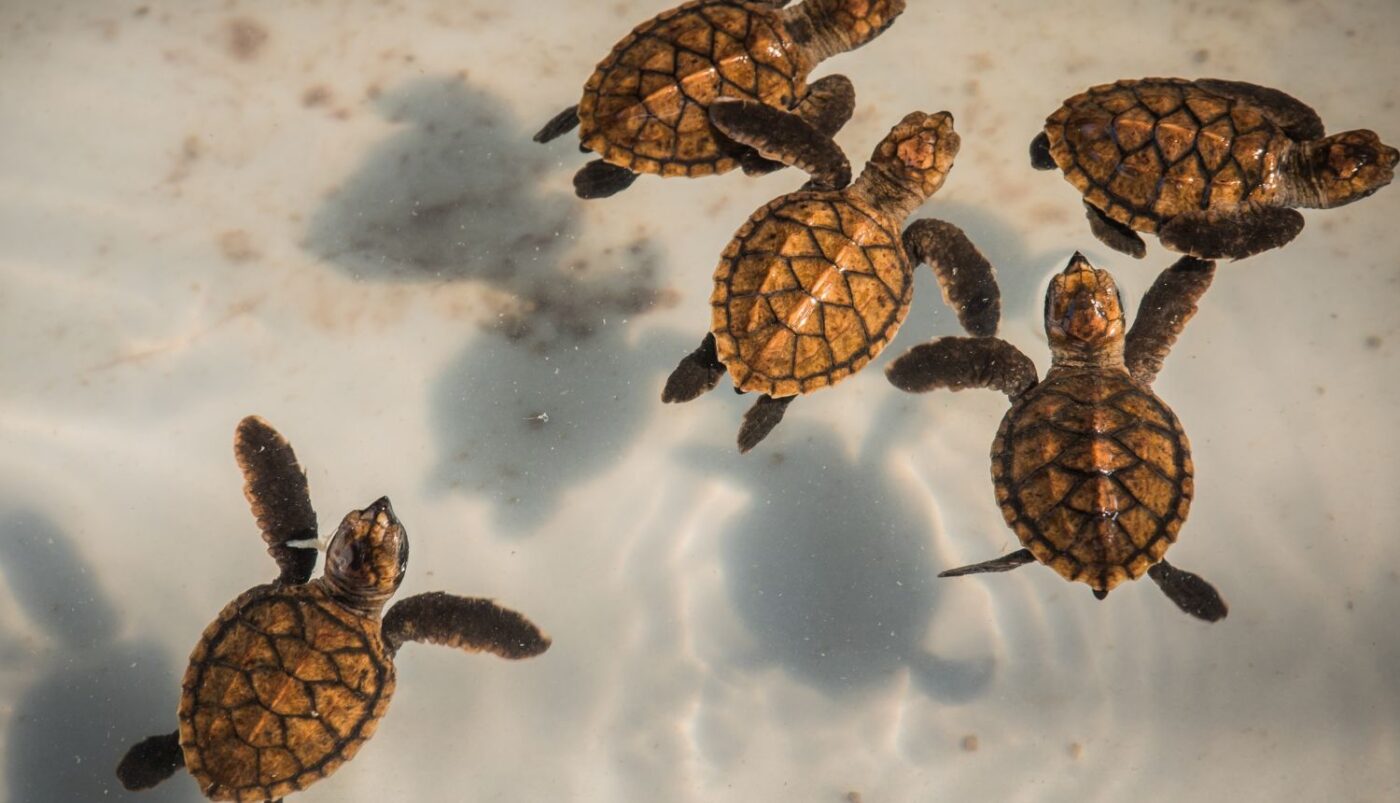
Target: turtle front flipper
[
  {"x": 1005, "y": 563},
  {"x": 600, "y": 179},
  {"x": 785, "y": 137},
  {"x": 471, "y": 624},
  {"x": 1296, "y": 118},
  {"x": 1231, "y": 234},
  {"x": 151, "y": 761},
  {"x": 1113, "y": 234},
  {"x": 275, "y": 486},
  {"x": 696, "y": 374},
  {"x": 829, "y": 104},
  {"x": 760, "y": 420},
  {"x": 958, "y": 363},
  {"x": 562, "y": 123},
  {"x": 1190, "y": 593},
  {"x": 827, "y": 107},
  {"x": 968, "y": 280},
  {"x": 1163, "y": 313}
]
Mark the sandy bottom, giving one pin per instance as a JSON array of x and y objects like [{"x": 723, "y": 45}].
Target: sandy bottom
[{"x": 332, "y": 216}]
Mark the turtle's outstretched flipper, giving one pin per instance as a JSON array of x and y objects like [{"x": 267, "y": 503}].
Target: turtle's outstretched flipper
[
  {"x": 1113, "y": 234},
  {"x": 958, "y": 363},
  {"x": 1296, "y": 118},
  {"x": 471, "y": 624},
  {"x": 760, "y": 420},
  {"x": 600, "y": 179},
  {"x": 697, "y": 373},
  {"x": 562, "y": 123},
  {"x": 1231, "y": 234},
  {"x": 1190, "y": 593},
  {"x": 785, "y": 137},
  {"x": 275, "y": 486},
  {"x": 968, "y": 280},
  {"x": 829, "y": 104},
  {"x": 1005, "y": 563},
  {"x": 1163, "y": 313},
  {"x": 151, "y": 761}
]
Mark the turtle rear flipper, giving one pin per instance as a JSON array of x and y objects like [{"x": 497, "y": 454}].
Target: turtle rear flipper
[
  {"x": 696, "y": 374},
  {"x": 968, "y": 280},
  {"x": 1163, "y": 313},
  {"x": 472, "y": 624},
  {"x": 1040, "y": 153},
  {"x": 1113, "y": 234},
  {"x": 1005, "y": 563},
  {"x": 1190, "y": 593},
  {"x": 275, "y": 486},
  {"x": 958, "y": 363},
  {"x": 600, "y": 179},
  {"x": 783, "y": 136},
  {"x": 1296, "y": 118},
  {"x": 562, "y": 123},
  {"x": 1233, "y": 234},
  {"x": 761, "y": 418},
  {"x": 151, "y": 761}
]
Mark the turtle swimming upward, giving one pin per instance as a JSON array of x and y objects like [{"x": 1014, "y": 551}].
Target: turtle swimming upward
[
  {"x": 293, "y": 676},
  {"x": 646, "y": 107},
  {"x": 1212, "y": 167},
  {"x": 1092, "y": 470},
  {"x": 817, "y": 281}
]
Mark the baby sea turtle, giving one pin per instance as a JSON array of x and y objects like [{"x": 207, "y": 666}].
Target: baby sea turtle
[
  {"x": 293, "y": 676},
  {"x": 817, "y": 281},
  {"x": 1212, "y": 167},
  {"x": 645, "y": 108},
  {"x": 1092, "y": 470}
]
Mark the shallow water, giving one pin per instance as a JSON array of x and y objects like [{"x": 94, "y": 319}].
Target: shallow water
[{"x": 332, "y": 216}]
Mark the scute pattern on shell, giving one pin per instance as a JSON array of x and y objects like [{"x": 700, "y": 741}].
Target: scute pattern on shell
[
  {"x": 1144, "y": 151},
  {"x": 810, "y": 289},
  {"x": 283, "y": 688},
  {"x": 1094, "y": 474},
  {"x": 646, "y": 106}
]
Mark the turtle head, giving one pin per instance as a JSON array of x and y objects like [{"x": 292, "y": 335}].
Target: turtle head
[
  {"x": 366, "y": 558},
  {"x": 1346, "y": 167},
  {"x": 1083, "y": 310},
  {"x": 840, "y": 25},
  {"x": 911, "y": 163}
]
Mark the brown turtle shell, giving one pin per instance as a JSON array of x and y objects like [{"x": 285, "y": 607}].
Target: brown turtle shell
[
  {"x": 1094, "y": 474},
  {"x": 283, "y": 688},
  {"x": 646, "y": 106},
  {"x": 1144, "y": 151},
  {"x": 810, "y": 289}
]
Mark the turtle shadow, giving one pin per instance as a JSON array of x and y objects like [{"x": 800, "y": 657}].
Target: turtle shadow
[
  {"x": 521, "y": 420},
  {"x": 453, "y": 195},
  {"x": 552, "y": 388},
  {"x": 831, "y": 567},
  {"x": 96, "y": 694}
]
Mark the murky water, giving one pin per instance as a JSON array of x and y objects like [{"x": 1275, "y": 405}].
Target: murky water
[{"x": 331, "y": 215}]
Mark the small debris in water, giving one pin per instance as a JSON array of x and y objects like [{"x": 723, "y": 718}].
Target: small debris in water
[
  {"x": 1076, "y": 750},
  {"x": 970, "y": 743}
]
